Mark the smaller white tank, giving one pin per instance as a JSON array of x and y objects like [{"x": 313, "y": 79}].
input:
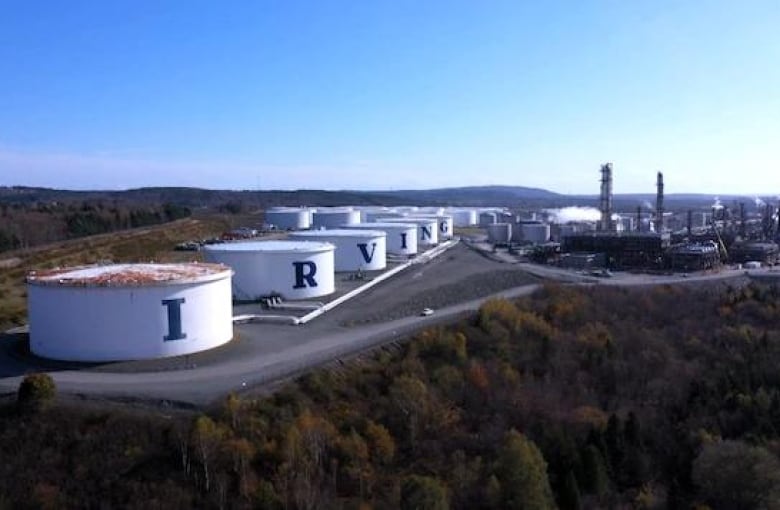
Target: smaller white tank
[
  {"x": 499, "y": 233},
  {"x": 288, "y": 218},
  {"x": 380, "y": 215},
  {"x": 291, "y": 269},
  {"x": 463, "y": 217},
  {"x": 401, "y": 237},
  {"x": 536, "y": 233},
  {"x": 333, "y": 217},
  {"x": 487, "y": 218},
  {"x": 356, "y": 249},
  {"x": 444, "y": 222},
  {"x": 427, "y": 229},
  {"x": 367, "y": 212}
]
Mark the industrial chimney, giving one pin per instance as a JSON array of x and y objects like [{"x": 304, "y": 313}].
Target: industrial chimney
[
  {"x": 605, "y": 201},
  {"x": 659, "y": 204}
]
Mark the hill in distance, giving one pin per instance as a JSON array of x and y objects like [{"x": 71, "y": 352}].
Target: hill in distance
[{"x": 474, "y": 196}]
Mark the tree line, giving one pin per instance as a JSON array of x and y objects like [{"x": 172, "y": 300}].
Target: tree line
[
  {"x": 664, "y": 397},
  {"x": 23, "y": 225}
]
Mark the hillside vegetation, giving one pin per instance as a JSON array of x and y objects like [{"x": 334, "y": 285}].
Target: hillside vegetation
[
  {"x": 135, "y": 245},
  {"x": 663, "y": 397}
]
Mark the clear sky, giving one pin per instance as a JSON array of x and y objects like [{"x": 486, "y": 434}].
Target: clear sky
[{"x": 372, "y": 94}]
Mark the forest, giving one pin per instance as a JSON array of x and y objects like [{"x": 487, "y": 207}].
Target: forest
[
  {"x": 28, "y": 224},
  {"x": 572, "y": 398}
]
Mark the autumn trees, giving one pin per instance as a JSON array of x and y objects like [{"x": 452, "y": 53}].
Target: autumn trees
[{"x": 567, "y": 399}]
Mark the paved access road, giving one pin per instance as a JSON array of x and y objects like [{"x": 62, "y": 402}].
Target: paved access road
[{"x": 297, "y": 348}]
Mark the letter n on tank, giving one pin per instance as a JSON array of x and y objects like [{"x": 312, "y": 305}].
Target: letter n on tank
[
  {"x": 304, "y": 274},
  {"x": 426, "y": 233},
  {"x": 174, "y": 319}
]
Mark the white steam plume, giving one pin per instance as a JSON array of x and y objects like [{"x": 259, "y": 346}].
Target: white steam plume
[
  {"x": 716, "y": 204},
  {"x": 574, "y": 214}
]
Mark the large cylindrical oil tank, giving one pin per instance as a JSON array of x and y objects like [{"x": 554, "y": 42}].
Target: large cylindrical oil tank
[
  {"x": 427, "y": 229},
  {"x": 463, "y": 217},
  {"x": 499, "y": 233},
  {"x": 444, "y": 223},
  {"x": 401, "y": 237},
  {"x": 487, "y": 218},
  {"x": 536, "y": 233},
  {"x": 356, "y": 249},
  {"x": 333, "y": 217},
  {"x": 129, "y": 311},
  {"x": 291, "y": 269},
  {"x": 288, "y": 218}
]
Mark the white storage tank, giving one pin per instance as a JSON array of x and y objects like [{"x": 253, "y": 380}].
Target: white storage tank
[
  {"x": 367, "y": 212},
  {"x": 356, "y": 249},
  {"x": 288, "y": 218},
  {"x": 535, "y": 233},
  {"x": 444, "y": 223},
  {"x": 129, "y": 311},
  {"x": 427, "y": 229},
  {"x": 463, "y": 217},
  {"x": 333, "y": 217},
  {"x": 499, "y": 233},
  {"x": 487, "y": 218},
  {"x": 291, "y": 269},
  {"x": 380, "y": 215},
  {"x": 401, "y": 237}
]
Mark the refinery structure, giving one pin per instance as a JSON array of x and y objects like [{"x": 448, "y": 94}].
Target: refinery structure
[{"x": 307, "y": 260}]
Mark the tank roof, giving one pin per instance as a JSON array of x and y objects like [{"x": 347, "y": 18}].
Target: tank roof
[
  {"x": 380, "y": 224},
  {"x": 272, "y": 246},
  {"x": 339, "y": 232},
  {"x": 128, "y": 275},
  {"x": 408, "y": 219}
]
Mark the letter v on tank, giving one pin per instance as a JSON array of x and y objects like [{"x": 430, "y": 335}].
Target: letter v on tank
[
  {"x": 291, "y": 269},
  {"x": 356, "y": 249}
]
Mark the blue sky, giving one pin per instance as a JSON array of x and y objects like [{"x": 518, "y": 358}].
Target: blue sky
[{"x": 391, "y": 94}]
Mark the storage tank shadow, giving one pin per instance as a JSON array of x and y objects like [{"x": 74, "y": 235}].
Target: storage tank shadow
[
  {"x": 129, "y": 311},
  {"x": 291, "y": 269},
  {"x": 356, "y": 249}
]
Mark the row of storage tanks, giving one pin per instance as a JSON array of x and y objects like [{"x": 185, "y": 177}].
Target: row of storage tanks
[
  {"x": 529, "y": 232},
  {"x": 144, "y": 311},
  {"x": 302, "y": 218}
]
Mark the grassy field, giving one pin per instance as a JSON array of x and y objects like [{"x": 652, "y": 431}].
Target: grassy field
[{"x": 139, "y": 245}]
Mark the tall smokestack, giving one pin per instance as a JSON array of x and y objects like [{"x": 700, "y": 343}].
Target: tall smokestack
[
  {"x": 659, "y": 204},
  {"x": 605, "y": 202}
]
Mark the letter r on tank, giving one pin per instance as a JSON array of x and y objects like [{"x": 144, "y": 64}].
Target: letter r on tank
[
  {"x": 174, "y": 319},
  {"x": 304, "y": 274}
]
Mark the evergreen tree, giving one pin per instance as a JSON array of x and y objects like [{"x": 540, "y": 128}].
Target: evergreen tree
[
  {"x": 423, "y": 493},
  {"x": 632, "y": 431},
  {"x": 522, "y": 472},
  {"x": 570, "y": 494},
  {"x": 594, "y": 479}
]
